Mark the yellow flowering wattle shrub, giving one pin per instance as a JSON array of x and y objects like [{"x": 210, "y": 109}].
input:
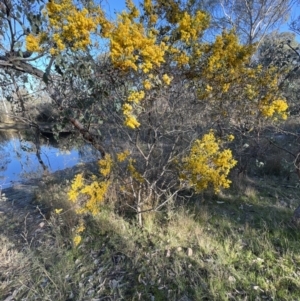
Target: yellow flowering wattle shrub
[
  {"x": 159, "y": 70},
  {"x": 207, "y": 164},
  {"x": 130, "y": 119}
]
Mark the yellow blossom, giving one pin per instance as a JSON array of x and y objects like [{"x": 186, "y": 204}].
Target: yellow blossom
[
  {"x": 147, "y": 85},
  {"x": 81, "y": 227},
  {"x": 191, "y": 27},
  {"x": 277, "y": 107},
  {"x": 167, "y": 80},
  {"x": 225, "y": 87},
  {"x": 207, "y": 164},
  {"x": 230, "y": 137},
  {"x": 182, "y": 59},
  {"x": 76, "y": 240},
  {"x": 127, "y": 108},
  {"x": 135, "y": 96},
  {"x": 76, "y": 186},
  {"x": 69, "y": 26},
  {"x": 95, "y": 192},
  {"x": 208, "y": 88},
  {"x": 130, "y": 44},
  {"x": 105, "y": 165},
  {"x": 121, "y": 157},
  {"x": 131, "y": 122},
  {"x": 33, "y": 43}
]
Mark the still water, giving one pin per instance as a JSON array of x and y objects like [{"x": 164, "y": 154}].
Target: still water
[{"x": 19, "y": 160}]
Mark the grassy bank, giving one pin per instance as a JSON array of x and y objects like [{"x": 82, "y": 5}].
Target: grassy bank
[{"x": 236, "y": 246}]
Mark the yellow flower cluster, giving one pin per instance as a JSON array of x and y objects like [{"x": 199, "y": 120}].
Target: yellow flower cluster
[
  {"x": 167, "y": 80},
  {"x": 136, "y": 96},
  {"x": 148, "y": 6},
  {"x": 79, "y": 229},
  {"x": 191, "y": 28},
  {"x": 130, "y": 119},
  {"x": 76, "y": 186},
  {"x": 227, "y": 77},
  {"x": 277, "y": 107},
  {"x": 225, "y": 87},
  {"x": 149, "y": 11},
  {"x": 58, "y": 210},
  {"x": 208, "y": 88},
  {"x": 95, "y": 191},
  {"x": 226, "y": 52},
  {"x": 34, "y": 43},
  {"x": 207, "y": 164},
  {"x": 132, "y": 48},
  {"x": 147, "y": 84},
  {"x": 179, "y": 56},
  {"x": 230, "y": 137},
  {"x": 251, "y": 92},
  {"x": 171, "y": 10},
  {"x": 106, "y": 26},
  {"x": 105, "y": 165},
  {"x": 72, "y": 26},
  {"x": 69, "y": 26},
  {"x": 77, "y": 240},
  {"x": 134, "y": 12},
  {"x": 121, "y": 157}
]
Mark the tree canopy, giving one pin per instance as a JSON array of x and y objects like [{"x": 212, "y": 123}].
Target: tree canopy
[{"x": 167, "y": 95}]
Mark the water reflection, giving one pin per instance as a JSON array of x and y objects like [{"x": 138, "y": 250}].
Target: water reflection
[{"x": 21, "y": 160}]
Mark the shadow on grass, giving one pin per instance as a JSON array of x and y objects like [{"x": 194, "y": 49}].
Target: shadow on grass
[
  {"x": 266, "y": 210},
  {"x": 17, "y": 211},
  {"x": 226, "y": 248}
]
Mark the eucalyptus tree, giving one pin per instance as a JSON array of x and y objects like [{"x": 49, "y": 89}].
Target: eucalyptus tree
[
  {"x": 252, "y": 19},
  {"x": 282, "y": 50}
]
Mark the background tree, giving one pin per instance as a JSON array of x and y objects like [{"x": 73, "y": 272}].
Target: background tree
[
  {"x": 252, "y": 19},
  {"x": 282, "y": 50}
]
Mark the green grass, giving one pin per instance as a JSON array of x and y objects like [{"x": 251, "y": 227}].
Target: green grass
[{"x": 235, "y": 246}]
